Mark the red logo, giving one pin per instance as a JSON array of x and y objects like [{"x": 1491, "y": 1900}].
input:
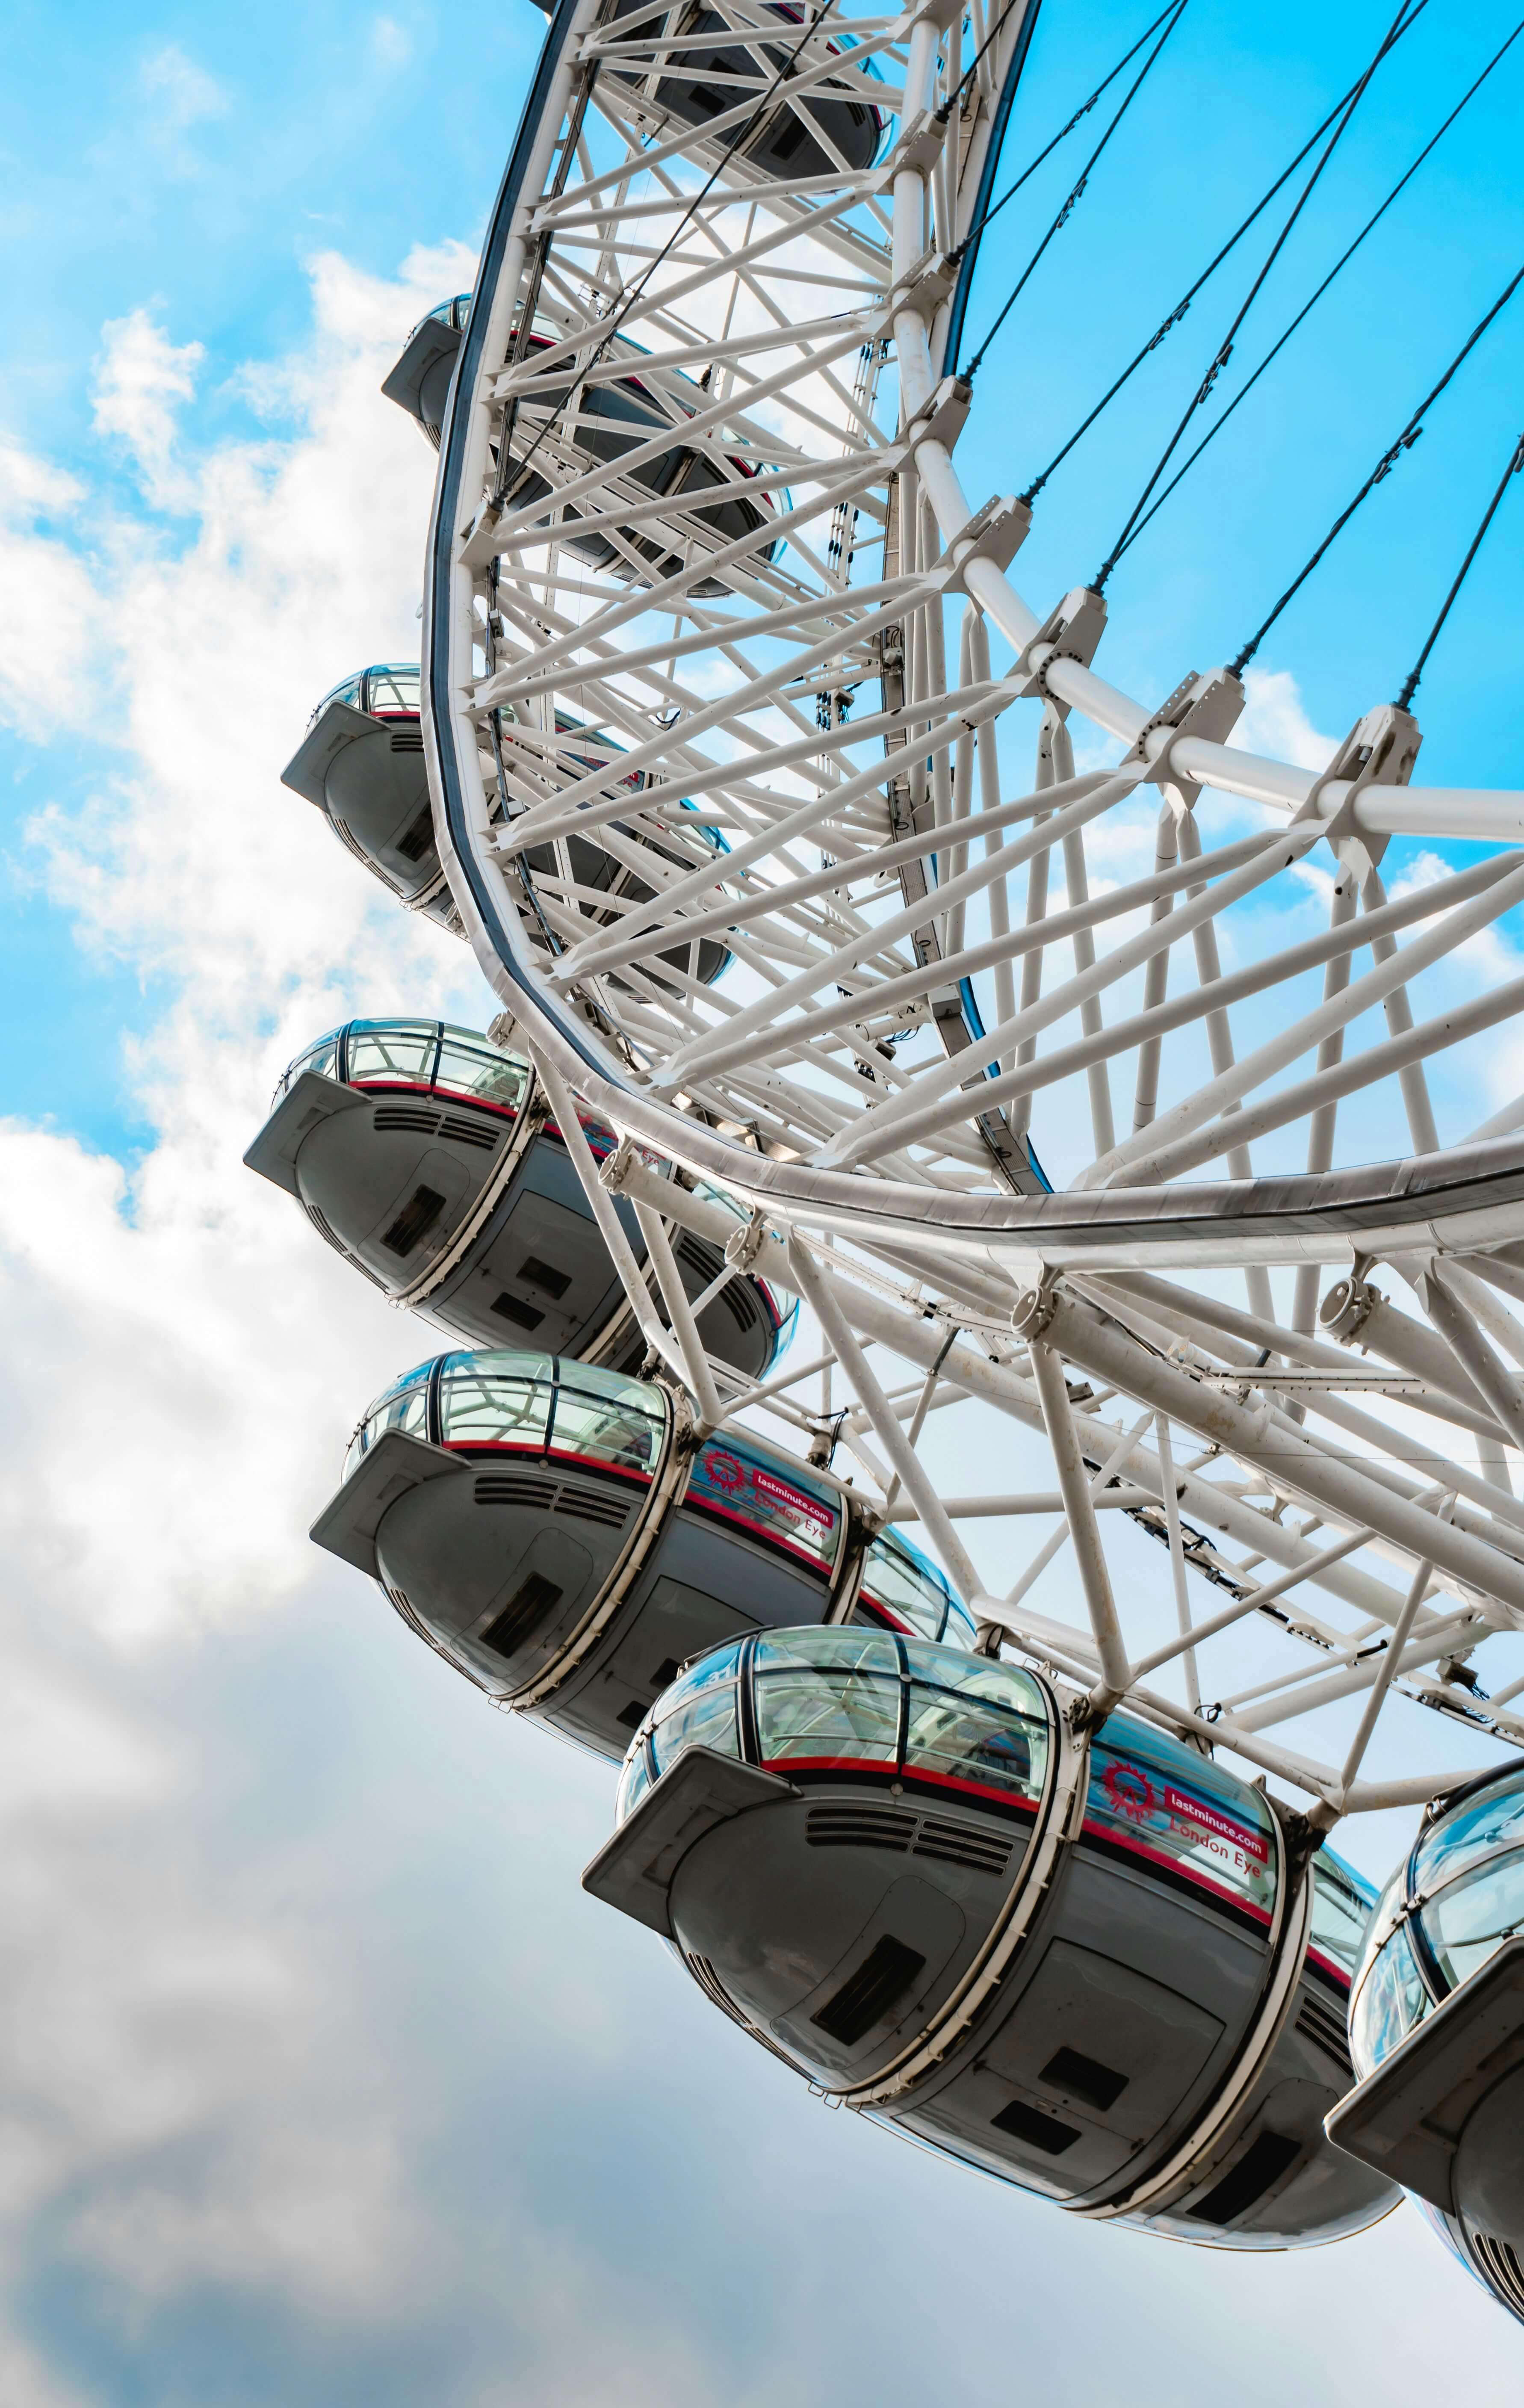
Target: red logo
[
  {"x": 1129, "y": 1791},
  {"x": 726, "y": 1471}
]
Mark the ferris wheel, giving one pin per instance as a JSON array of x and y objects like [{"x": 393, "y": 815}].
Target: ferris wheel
[{"x": 748, "y": 767}]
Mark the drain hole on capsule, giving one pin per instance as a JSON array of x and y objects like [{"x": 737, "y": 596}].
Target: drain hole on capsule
[
  {"x": 1038, "y": 2131},
  {"x": 884, "y": 1975},
  {"x": 1263, "y": 2162},
  {"x": 544, "y": 1275},
  {"x": 416, "y": 1218},
  {"x": 529, "y": 1603},
  {"x": 1084, "y": 2077},
  {"x": 513, "y": 1308}
]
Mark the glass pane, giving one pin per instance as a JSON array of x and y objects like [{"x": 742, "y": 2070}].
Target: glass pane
[
  {"x": 768, "y": 1495},
  {"x": 719, "y": 1665},
  {"x": 905, "y": 1587},
  {"x": 618, "y": 1426},
  {"x": 633, "y": 1782},
  {"x": 1391, "y": 2002},
  {"x": 1468, "y": 1922},
  {"x": 827, "y": 1718},
  {"x": 707, "y": 1720},
  {"x": 977, "y": 1676},
  {"x": 1161, "y": 1799},
  {"x": 404, "y": 1407},
  {"x": 851, "y": 1649},
  {"x": 1342, "y": 1905},
  {"x": 962, "y": 1630},
  {"x": 475, "y": 1070},
  {"x": 322, "y": 1057},
  {"x": 976, "y": 1745},
  {"x": 348, "y": 692},
  {"x": 488, "y": 1407},
  {"x": 392, "y": 690},
  {"x": 1493, "y": 1821},
  {"x": 393, "y": 1049}
]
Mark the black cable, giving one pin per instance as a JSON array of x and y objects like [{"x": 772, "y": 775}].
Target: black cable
[
  {"x": 954, "y": 99},
  {"x": 1064, "y": 131},
  {"x": 1410, "y": 684},
  {"x": 1174, "y": 13},
  {"x": 1407, "y": 12},
  {"x": 1168, "y": 325},
  {"x": 1307, "y": 307},
  {"x": 1384, "y": 468},
  {"x": 741, "y": 135}
]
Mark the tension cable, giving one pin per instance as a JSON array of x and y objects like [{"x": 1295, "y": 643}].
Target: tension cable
[
  {"x": 1173, "y": 13},
  {"x": 1384, "y": 468},
  {"x": 1406, "y": 15},
  {"x": 1410, "y": 683},
  {"x": 1309, "y": 306}
]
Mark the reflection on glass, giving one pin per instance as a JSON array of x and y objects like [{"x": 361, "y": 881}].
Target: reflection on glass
[
  {"x": 827, "y": 1718},
  {"x": 618, "y": 1425},
  {"x": 480, "y": 1406},
  {"x": 402, "y": 1050},
  {"x": 848, "y": 1650},
  {"x": 1469, "y": 1921},
  {"x": 1390, "y": 2002},
  {"x": 404, "y": 1407},
  {"x": 633, "y": 1782},
  {"x": 718, "y": 1664},
  {"x": 1342, "y": 1906},
  {"x": 321, "y": 1058},
  {"x": 491, "y": 1078},
  {"x": 393, "y": 690},
  {"x": 961, "y": 1738},
  {"x": 705, "y": 1720},
  {"x": 1489, "y": 1823},
  {"x": 909, "y": 1591}
]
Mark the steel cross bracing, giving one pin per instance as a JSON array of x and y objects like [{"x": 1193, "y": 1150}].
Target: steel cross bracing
[{"x": 698, "y": 497}]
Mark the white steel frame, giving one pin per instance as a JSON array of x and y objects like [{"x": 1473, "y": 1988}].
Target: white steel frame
[{"x": 838, "y": 691}]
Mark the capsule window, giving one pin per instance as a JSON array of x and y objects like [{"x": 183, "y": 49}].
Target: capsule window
[
  {"x": 544, "y": 1275},
  {"x": 865, "y": 1996},
  {"x": 515, "y": 1309},
  {"x": 1079, "y": 2076},
  {"x": 1244, "y": 2185},
  {"x": 415, "y": 1219},
  {"x": 419, "y": 838},
  {"x": 827, "y": 1718},
  {"x": 530, "y": 1602},
  {"x": 1038, "y": 2131}
]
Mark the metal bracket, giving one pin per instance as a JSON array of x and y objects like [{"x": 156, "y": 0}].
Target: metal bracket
[
  {"x": 997, "y": 532},
  {"x": 1070, "y": 633},
  {"x": 942, "y": 416},
  {"x": 1207, "y": 706},
  {"x": 741, "y": 1251},
  {"x": 923, "y": 288},
  {"x": 616, "y": 1167},
  {"x": 920, "y": 144},
  {"x": 1034, "y": 1308},
  {"x": 1379, "y": 751}
]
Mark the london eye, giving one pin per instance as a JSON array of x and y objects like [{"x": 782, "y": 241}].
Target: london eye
[{"x": 840, "y": 1081}]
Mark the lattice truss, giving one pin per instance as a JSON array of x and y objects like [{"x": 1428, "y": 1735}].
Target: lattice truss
[{"x": 699, "y": 497}]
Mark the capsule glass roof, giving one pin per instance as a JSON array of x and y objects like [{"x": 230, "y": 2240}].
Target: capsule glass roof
[
  {"x": 415, "y": 1054},
  {"x": 513, "y": 1401},
  {"x": 386, "y": 690}
]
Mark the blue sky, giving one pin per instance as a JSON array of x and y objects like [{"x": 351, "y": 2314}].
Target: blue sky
[{"x": 324, "y": 2083}]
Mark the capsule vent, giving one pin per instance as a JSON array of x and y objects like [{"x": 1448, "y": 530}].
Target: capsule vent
[
  {"x": 406, "y": 739},
  {"x": 1324, "y": 2025},
  {"x": 1499, "y": 2262},
  {"x": 416, "y": 1119},
  {"x": 467, "y": 1132},
  {"x": 958, "y": 1843},
  {"x": 516, "y": 1488},
  {"x": 325, "y": 1229},
  {"x": 860, "y": 1826},
  {"x": 610, "y": 1512},
  {"x": 1244, "y": 2185}
]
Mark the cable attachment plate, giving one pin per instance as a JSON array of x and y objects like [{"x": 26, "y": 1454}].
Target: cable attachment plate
[
  {"x": 923, "y": 288},
  {"x": 1069, "y": 633},
  {"x": 741, "y": 1251},
  {"x": 1379, "y": 751},
  {"x": 942, "y": 416},
  {"x": 616, "y": 1168},
  {"x": 995, "y": 533},
  {"x": 919, "y": 146},
  {"x": 1208, "y": 706}
]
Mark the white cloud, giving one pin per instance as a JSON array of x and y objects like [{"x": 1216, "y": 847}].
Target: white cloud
[
  {"x": 141, "y": 380},
  {"x": 1275, "y": 722},
  {"x": 183, "y": 93},
  {"x": 391, "y": 42}
]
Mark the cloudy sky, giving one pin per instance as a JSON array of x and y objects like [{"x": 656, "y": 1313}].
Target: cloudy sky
[{"x": 321, "y": 2081}]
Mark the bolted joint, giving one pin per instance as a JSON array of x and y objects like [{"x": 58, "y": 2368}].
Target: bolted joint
[
  {"x": 995, "y": 533},
  {"x": 919, "y": 146},
  {"x": 615, "y": 1169},
  {"x": 1380, "y": 750},
  {"x": 1206, "y": 707},
  {"x": 942, "y": 416},
  {"x": 1033, "y": 1310},
  {"x": 741, "y": 1251},
  {"x": 1071, "y": 632},
  {"x": 1347, "y": 1307}
]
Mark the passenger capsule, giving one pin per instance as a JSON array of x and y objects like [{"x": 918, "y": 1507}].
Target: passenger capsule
[
  {"x": 362, "y": 762},
  {"x": 1437, "y": 2030},
  {"x": 420, "y": 383},
  {"x": 1090, "y": 1964},
  {"x": 559, "y": 1535},
  {"x": 818, "y": 134},
  {"x": 426, "y": 1155}
]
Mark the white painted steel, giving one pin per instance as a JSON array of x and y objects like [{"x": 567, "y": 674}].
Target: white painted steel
[{"x": 823, "y": 705}]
